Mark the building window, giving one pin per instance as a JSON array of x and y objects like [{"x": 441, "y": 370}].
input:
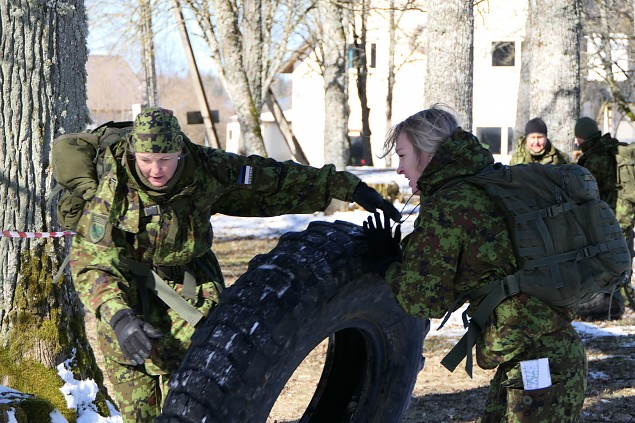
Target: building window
[
  {"x": 491, "y": 137},
  {"x": 503, "y": 53},
  {"x": 353, "y": 56},
  {"x": 510, "y": 140},
  {"x": 373, "y": 55}
]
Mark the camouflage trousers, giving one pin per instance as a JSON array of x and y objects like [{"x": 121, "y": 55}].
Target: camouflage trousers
[
  {"x": 562, "y": 402},
  {"x": 138, "y": 391}
]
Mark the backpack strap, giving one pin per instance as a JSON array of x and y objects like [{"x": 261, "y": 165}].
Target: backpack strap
[
  {"x": 630, "y": 295},
  {"x": 176, "y": 302},
  {"x": 496, "y": 291},
  {"x": 169, "y": 296},
  {"x": 51, "y": 195}
]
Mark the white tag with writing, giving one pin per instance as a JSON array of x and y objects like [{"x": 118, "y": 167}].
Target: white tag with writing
[{"x": 535, "y": 373}]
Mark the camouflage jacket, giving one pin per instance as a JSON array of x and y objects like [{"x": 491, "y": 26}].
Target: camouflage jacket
[
  {"x": 127, "y": 221},
  {"x": 550, "y": 155},
  {"x": 598, "y": 155},
  {"x": 460, "y": 241}
]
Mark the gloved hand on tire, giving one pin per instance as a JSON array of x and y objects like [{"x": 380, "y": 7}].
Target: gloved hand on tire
[
  {"x": 383, "y": 247},
  {"x": 371, "y": 200},
  {"x": 134, "y": 335}
]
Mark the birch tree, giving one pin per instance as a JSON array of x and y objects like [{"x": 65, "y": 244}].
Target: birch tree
[
  {"x": 553, "y": 91},
  {"x": 334, "y": 70},
  {"x": 248, "y": 42},
  {"x": 43, "y": 80},
  {"x": 148, "y": 57},
  {"x": 608, "y": 57},
  {"x": 361, "y": 64},
  {"x": 396, "y": 11},
  {"x": 450, "y": 57}
]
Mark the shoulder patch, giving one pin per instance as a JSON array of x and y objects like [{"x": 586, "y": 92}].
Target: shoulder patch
[
  {"x": 97, "y": 228},
  {"x": 246, "y": 175}
]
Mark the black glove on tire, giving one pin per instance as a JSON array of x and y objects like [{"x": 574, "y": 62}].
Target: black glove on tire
[
  {"x": 371, "y": 200},
  {"x": 134, "y": 335},
  {"x": 383, "y": 247}
]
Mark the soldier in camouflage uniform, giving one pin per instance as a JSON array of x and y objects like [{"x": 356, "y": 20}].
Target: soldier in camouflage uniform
[
  {"x": 145, "y": 238},
  {"x": 598, "y": 155},
  {"x": 460, "y": 243},
  {"x": 534, "y": 146}
]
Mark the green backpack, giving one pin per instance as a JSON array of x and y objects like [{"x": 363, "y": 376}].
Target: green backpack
[
  {"x": 567, "y": 242},
  {"x": 77, "y": 162}
]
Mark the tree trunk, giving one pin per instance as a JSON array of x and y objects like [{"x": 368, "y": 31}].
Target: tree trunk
[
  {"x": 336, "y": 143},
  {"x": 362, "y": 78},
  {"x": 236, "y": 77},
  {"x": 151, "y": 93},
  {"x": 252, "y": 39},
  {"x": 524, "y": 95},
  {"x": 43, "y": 78},
  {"x": 450, "y": 57},
  {"x": 392, "y": 41},
  {"x": 555, "y": 89}
]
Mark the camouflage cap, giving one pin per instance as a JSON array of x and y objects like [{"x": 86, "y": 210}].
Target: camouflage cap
[{"x": 156, "y": 130}]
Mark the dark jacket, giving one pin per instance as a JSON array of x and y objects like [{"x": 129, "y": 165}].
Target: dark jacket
[{"x": 598, "y": 156}]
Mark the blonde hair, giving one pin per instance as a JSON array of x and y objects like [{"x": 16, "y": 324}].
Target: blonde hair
[{"x": 426, "y": 129}]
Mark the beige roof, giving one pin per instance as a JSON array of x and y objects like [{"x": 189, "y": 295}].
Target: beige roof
[{"x": 112, "y": 88}]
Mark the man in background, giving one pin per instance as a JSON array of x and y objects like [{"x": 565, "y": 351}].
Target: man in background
[
  {"x": 535, "y": 147},
  {"x": 599, "y": 157}
]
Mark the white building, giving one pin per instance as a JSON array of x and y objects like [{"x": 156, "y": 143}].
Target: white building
[{"x": 498, "y": 34}]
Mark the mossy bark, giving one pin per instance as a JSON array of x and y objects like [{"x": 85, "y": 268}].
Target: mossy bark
[
  {"x": 52, "y": 317},
  {"x": 44, "y": 95}
]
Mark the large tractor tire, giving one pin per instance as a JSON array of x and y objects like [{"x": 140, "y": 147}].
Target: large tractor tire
[{"x": 314, "y": 285}]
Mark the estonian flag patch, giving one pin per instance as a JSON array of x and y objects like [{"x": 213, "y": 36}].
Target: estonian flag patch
[{"x": 246, "y": 175}]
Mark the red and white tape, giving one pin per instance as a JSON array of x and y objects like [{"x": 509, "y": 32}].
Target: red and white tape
[{"x": 18, "y": 234}]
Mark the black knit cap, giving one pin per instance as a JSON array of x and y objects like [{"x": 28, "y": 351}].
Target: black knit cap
[
  {"x": 586, "y": 128},
  {"x": 536, "y": 125}
]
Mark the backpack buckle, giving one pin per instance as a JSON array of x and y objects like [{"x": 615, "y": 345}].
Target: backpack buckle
[
  {"x": 590, "y": 251},
  {"x": 509, "y": 286},
  {"x": 556, "y": 209}
]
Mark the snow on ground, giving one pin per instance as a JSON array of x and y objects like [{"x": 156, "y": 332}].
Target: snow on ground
[{"x": 229, "y": 227}]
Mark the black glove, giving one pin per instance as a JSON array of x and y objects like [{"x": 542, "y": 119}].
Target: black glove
[
  {"x": 383, "y": 247},
  {"x": 134, "y": 335},
  {"x": 370, "y": 199}
]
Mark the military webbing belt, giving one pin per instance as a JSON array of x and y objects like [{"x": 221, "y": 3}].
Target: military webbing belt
[
  {"x": 498, "y": 291},
  {"x": 166, "y": 293}
]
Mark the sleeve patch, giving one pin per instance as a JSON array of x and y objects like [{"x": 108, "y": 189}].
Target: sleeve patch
[{"x": 246, "y": 175}]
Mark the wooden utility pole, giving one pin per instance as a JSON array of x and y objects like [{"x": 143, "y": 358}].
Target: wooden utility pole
[
  {"x": 210, "y": 129},
  {"x": 285, "y": 128}
]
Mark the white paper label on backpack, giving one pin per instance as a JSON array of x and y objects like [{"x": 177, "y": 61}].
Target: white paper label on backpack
[{"x": 535, "y": 374}]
